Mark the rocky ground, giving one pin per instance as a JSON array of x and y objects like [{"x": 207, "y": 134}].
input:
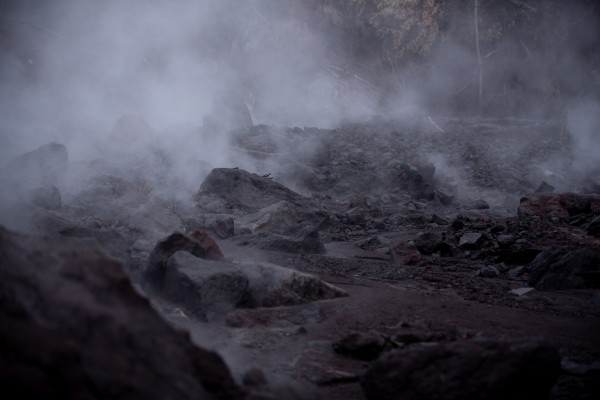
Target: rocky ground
[{"x": 440, "y": 258}]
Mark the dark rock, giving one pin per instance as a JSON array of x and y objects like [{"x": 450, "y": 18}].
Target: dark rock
[
  {"x": 436, "y": 219},
  {"x": 95, "y": 337},
  {"x": 271, "y": 285},
  {"x": 594, "y": 227},
  {"x": 506, "y": 240},
  {"x": 200, "y": 245},
  {"x": 470, "y": 240},
  {"x": 477, "y": 205},
  {"x": 47, "y": 197},
  {"x": 565, "y": 267},
  {"x": 428, "y": 243},
  {"x": 283, "y": 226},
  {"x": 561, "y": 205},
  {"x": 355, "y": 216},
  {"x": 489, "y": 271},
  {"x": 444, "y": 198},
  {"x": 490, "y": 370},
  {"x": 254, "y": 377},
  {"x": 363, "y": 346},
  {"x": 417, "y": 181},
  {"x": 209, "y": 289},
  {"x": 544, "y": 188},
  {"x": 242, "y": 190},
  {"x": 43, "y": 166}
]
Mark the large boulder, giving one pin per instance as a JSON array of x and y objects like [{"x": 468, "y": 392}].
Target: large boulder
[
  {"x": 565, "y": 267},
  {"x": 268, "y": 214},
  {"x": 282, "y": 226},
  {"x": 74, "y": 327},
  {"x": 199, "y": 244},
  {"x": 242, "y": 190},
  {"x": 208, "y": 289},
  {"x": 490, "y": 370}
]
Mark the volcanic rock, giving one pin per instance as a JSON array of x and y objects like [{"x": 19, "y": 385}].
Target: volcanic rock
[
  {"x": 561, "y": 205},
  {"x": 200, "y": 245},
  {"x": 565, "y": 267},
  {"x": 74, "y": 327},
  {"x": 242, "y": 190},
  {"x": 210, "y": 289},
  {"x": 364, "y": 346},
  {"x": 469, "y": 369},
  {"x": 429, "y": 243},
  {"x": 470, "y": 240}
]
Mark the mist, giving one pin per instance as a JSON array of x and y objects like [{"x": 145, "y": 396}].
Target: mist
[{"x": 71, "y": 69}]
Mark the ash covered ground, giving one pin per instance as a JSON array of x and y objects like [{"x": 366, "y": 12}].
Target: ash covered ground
[{"x": 304, "y": 201}]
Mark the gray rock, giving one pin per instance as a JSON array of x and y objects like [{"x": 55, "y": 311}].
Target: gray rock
[
  {"x": 506, "y": 240},
  {"x": 283, "y": 226},
  {"x": 208, "y": 289},
  {"x": 271, "y": 285},
  {"x": 489, "y": 271},
  {"x": 477, "y": 205},
  {"x": 470, "y": 240},
  {"x": 490, "y": 370}
]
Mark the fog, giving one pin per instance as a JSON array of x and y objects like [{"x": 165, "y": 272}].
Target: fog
[{"x": 70, "y": 69}]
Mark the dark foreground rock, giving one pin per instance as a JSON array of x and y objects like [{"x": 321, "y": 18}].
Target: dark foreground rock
[
  {"x": 465, "y": 370},
  {"x": 73, "y": 327},
  {"x": 565, "y": 267}
]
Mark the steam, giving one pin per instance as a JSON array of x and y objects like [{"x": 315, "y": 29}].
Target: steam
[{"x": 71, "y": 69}]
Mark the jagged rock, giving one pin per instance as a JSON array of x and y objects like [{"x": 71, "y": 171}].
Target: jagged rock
[
  {"x": 565, "y": 267},
  {"x": 283, "y": 226},
  {"x": 44, "y": 166},
  {"x": 271, "y": 285},
  {"x": 210, "y": 289},
  {"x": 490, "y": 370},
  {"x": 364, "y": 346},
  {"x": 560, "y": 205},
  {"x": 74, "y": 327},
  {"x": 506, "y": 240},
  {"x": 470, "y": 240},
  {"x": 242, "y": 190},
  {"x": 200, "y": 245}
]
